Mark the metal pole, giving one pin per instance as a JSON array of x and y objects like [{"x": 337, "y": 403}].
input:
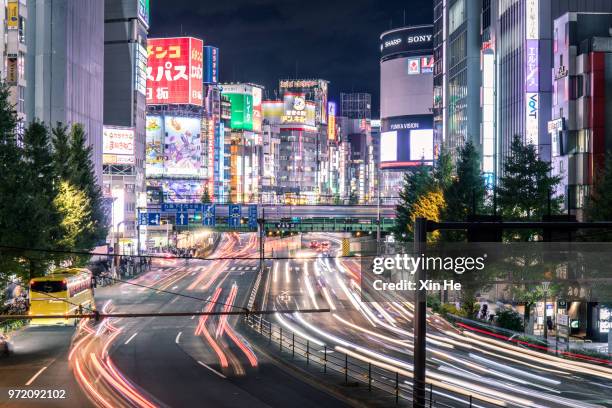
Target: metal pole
[
  {"x": 307, "y": 352},
  {"x": 369, "y": 376},
  {"x": 324, "y": 358},
  {"x": 396, "y": 387},
  {"x": 281, "y": 339},
  {"x": 346, "y": 368},
  {"x": 420, "y": 315},
  {"x": 545, "y": 319},
  {"x": 293, "y": 345}
]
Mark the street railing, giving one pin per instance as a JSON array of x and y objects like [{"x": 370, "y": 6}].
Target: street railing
[{"x": 396, "y": 383}]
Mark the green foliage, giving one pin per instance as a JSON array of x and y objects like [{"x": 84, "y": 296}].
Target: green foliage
[
  {"x": 82, "y": 176},
  {"x": 509, "y": 319},
  {"x": 525, "y": 187},
  {"x": 416, "y": 184},
  {"x": 49, "y": 197},
  {"x": 466, "y": 192}
]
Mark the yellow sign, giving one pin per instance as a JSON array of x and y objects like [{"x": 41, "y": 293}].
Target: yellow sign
[
  {"x": 13, "y": 15},
  {"x": 346, "y": 247}
]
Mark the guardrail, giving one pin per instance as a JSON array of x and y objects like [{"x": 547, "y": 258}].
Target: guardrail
[{"x": 395, "y": 383}]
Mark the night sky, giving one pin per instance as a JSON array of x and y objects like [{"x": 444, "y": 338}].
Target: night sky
[{"x": 261, "y": 41}]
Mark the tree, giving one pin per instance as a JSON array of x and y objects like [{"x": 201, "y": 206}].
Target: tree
[
  {"x": 11, "y": 194},
  {"x": 61, "y": 151},
  {"x": 74, "y": 207},
  {"x": 427, "y": 206},
  {"x": 526, "y": 184},
  {"x": 39, "y": 219},
  {"x": 525, "y": 188},
  {"x": 416, "y": 184},
  {"x": 466, "y": 192},
  {"x": 443, "y": 170},
  {"x": 205, "y": 199},
  {"x": 509, "y": 319},
  {"x": 83, "y": 177}
]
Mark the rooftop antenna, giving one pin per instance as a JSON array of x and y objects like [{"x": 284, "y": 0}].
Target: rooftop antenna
[
  {"x": 296, "y": 69},
  {"x": 404, "y": 17},
  {"x": 390, "y": 24}
]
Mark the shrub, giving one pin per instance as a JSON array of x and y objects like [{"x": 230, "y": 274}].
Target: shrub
[{"x": 509, "y": 319}]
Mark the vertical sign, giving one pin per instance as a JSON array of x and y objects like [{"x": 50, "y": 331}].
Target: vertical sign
[
  {"x": 234, "y": 215},
  {"x": 211, "y": 65},
  {"x": 174, "y": 71},
  {"x": 532, "y": 71},
  {"x": 209, "y": 215},
  {"x": 253, "y": 216},
  {"x": 331, "y": 120},
  {"x": 12, "y": 15}
]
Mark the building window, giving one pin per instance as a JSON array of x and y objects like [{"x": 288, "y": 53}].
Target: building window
[{"x": 456, "y": 16}]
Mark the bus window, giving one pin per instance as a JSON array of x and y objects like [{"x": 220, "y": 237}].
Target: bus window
[{"x": 48, "y": 286}]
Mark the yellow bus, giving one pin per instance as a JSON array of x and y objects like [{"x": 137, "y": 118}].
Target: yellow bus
[{"x": 61, "y": 293}]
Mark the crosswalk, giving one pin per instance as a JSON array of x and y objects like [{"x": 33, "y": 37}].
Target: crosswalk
[{"x": 247, "y": 268}]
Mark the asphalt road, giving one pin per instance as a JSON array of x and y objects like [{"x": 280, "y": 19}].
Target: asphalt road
[{"x": 457, "y": 364}]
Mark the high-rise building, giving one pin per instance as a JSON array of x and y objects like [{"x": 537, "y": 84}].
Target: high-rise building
[
  {"x": 406, "y": 100},
  {"x": 65, "y": 66},
  {"x": 301, "y": 117},
  {"x": 14, "y": 16},
  {"x": 244, "y": 135},
  {"x": 125, "y": 73},
  {"x": 456, "y": 44},
  {"x": 356, "y": 105},
  {"x": 581, "y": 103}
]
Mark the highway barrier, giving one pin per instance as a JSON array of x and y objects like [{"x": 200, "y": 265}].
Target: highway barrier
[{"x": 394, "y": 382}]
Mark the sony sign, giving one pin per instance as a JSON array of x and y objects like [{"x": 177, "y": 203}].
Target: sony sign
[{"x": 415, "y": 39}]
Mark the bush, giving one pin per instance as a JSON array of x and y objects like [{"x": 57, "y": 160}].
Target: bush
[
  {"x": 447, "y": 308},
  {"x": 434, "y": 303},
  {"x": 509, "y": 319}
]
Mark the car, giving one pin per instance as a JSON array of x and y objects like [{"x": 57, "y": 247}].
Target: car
[{"x": 6, "y": 347}]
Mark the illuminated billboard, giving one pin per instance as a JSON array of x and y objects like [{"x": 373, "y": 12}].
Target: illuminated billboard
[
  {"x": 211, "y": 65},
  {"x": 257, "y": 95},
  {"x": 175, "y": 71},
  {"x": 407, "y": 41},
  {"x": 388, "y": 144},
  {"x": 315, "y": 90},
  {"x": 331, "y": 120},
  {"x": 182, "y": 147},
  {"x": 297, "y": 110},
  {"x": 176, "y": 191},
  {"x": 117, "y": 145},
  {"x": 143, "y": 11},
  {"x": 242, "y": 111},
  {"x": 154, "y": 156},
  {"x": 407, "y": 141}
]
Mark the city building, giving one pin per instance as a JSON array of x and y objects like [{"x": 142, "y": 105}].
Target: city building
[
  {"x": 356, "y": 105},
  {"x": 406, "y": 102},
  {"x": 13, "y": 50},
  {"x": 301, "y": 117},
  {"x": 64, "y": 66},
  {"x": 245, "y": 140},
  {"x": 124, "y": 137},
  {"x": 456, "y": 50},
  {"x": 581, "y": 123}
]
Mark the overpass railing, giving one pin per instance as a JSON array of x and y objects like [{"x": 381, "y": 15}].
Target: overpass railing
[{"x": 397, "y": 384}]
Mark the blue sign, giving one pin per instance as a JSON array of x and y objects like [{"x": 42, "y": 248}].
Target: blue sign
[
  {"x": 181, "y": 207},
  {"x": 235, "y": 214},
  {"x": 209, "y": 213},
  {"x": 252, "y": 216},
  {"x": 211, "y": 65},
  {"x": 142, "y": 218},
  {"x": 153, "y": 219},
  {"x": 182, "y": 218}
]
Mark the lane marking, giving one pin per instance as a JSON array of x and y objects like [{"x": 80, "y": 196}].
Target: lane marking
[
  {"x": 131, "y": 337},
  {"x": 211, "y": 369},
  {"x": 36, "y": 375},
  {"x": 178, "y": 336}
]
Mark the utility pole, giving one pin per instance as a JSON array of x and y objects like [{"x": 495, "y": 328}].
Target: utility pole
[{"x": 420, "y": 316}]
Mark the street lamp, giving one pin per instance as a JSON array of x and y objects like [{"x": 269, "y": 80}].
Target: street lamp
[{"x": 545, "y": 286}]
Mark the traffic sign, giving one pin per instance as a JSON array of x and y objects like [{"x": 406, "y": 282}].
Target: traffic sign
[
  {"x": 209, "y": 214},
  {"x": 169, "y": 207},
  {"x": 235, "y": 214},
  {"x": 253, "y": 216},
  {"x": 154, "y": 218},
  {"x": 182, "y": 218},
  {"x": 142, "y": 218},
  {"x": 563, "y": 320}
]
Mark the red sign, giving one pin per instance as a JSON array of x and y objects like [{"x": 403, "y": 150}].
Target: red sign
[{"x": 174, "y": 71}]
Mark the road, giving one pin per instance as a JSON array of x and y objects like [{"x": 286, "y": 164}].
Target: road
[
  {"x": 166, "y": 361},
  {"x": 494, "y": 372}
]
